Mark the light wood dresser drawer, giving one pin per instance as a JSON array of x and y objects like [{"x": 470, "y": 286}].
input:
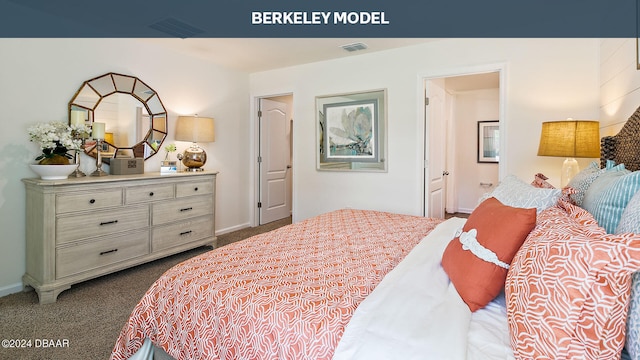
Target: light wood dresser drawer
[
  {"x": 109, "y": 250},
  {"x": 77, "y": 227},
  {"x": 168, "y": 236},
  {"x": 176, "y": 210},
  {"x": 194, "y": 188},
  {"x": 141, "y": 194},
  {"x": 81, "y": 228},
  {"x": 88, "y": 201}
]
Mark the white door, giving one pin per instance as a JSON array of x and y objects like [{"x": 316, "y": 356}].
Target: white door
[
  {"x": 274, "y": 161},
  {"x": 436, "y": 140}
]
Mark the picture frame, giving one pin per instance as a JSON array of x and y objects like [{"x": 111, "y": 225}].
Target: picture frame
[
  {"x": 352, "y": 131},
  {"x": 489, "y": 141},
  {"x": 169, "y": 167}
]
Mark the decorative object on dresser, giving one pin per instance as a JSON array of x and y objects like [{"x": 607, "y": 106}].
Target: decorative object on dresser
[
  {"x": 53, "y": 172},
  {"x": 168, "y": 150},
  {"x": 570, "y": 139},
  {"x": 55, "y": 139},
  {"x": 169, "y": 166},
  {"x": 81, "y": 228},
  {"x": 97, "y": 132},
  {"x": 126, "y": 166},
  {"x": 195, "y": 129},
  {"x": 140, "y": 118},
  {"x": 80, "y": 132}
]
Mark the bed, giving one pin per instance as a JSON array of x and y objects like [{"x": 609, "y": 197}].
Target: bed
[{"x": 556, "y": 280}]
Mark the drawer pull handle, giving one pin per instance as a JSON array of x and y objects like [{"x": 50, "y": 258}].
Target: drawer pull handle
[
  {"x": 108, "y": 251},
  {"x": 195, "y": 188},
  {"x": 151, "y": 193},
  {"x": 185, "y": 233},
  {"x": 109, "y": 222},
  {"x": 186, "y": 209},
  {"x": 92, "y": 201}
]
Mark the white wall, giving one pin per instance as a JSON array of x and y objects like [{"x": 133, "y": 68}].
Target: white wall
[
  {"x": 619, "y": 83},
  {"x": 38, "y": 77},
  {"x": 469, "y": 108},
  {"x": 546, "y": 79}
]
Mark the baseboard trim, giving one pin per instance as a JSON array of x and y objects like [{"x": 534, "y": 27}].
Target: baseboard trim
[
  {"x": 232, "y": 229},
  {"x": 11, "y": 289},
  {"x": 465, "y": 211}
]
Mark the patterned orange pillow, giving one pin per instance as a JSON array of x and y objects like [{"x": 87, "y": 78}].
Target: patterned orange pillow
[
  {"x": 568, "y": 288},
  {"x": 478, "y": 258}
]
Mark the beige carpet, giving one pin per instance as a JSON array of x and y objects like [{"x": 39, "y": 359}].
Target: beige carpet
[{"x": 86, "y": 320}]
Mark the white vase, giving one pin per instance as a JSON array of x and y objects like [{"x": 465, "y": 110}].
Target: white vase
[{"x": 53, "y": 172}]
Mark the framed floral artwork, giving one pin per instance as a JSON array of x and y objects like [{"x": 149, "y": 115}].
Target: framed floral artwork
[{"x": 352, "y": 131}]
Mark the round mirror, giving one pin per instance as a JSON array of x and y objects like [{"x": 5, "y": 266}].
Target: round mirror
[{"x": 134, "y": 117}]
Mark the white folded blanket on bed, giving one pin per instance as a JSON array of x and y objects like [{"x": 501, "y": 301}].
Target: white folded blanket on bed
[{"x": 416, "y": 313}]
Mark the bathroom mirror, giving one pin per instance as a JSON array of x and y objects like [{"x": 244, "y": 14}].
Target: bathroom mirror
[{"x": 135, "y": 119}]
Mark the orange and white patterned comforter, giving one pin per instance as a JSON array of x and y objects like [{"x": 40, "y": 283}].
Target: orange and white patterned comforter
[{"x": 286, "y": 294}]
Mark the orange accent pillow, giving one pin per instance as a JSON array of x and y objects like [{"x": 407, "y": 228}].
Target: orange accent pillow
[{"x": 501, "y": 229}]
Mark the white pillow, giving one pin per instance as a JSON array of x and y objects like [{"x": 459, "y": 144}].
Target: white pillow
[{"x": 514, "y": 192}]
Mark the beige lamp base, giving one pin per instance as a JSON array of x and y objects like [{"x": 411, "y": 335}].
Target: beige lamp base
[{"x": 569, "y": 169}]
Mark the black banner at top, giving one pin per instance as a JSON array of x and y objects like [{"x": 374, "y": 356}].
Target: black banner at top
[{"x": 315, "y": 18}]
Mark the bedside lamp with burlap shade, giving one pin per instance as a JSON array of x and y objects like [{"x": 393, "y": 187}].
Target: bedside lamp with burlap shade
[{"x": 570, "y": 139}]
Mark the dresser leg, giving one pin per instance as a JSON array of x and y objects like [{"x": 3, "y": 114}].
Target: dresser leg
[{"x": 50, "y": 296}]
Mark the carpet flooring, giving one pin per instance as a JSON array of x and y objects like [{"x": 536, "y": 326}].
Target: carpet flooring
[{"x": 86, "y": 320}]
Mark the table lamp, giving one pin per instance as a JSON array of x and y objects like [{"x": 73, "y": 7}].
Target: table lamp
[
  {"x": 195, "y": 129},
  {"x": 570, "y": 139}
]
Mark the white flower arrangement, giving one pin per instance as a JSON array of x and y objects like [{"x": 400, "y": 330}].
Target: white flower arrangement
[{"x": 57, "y": 137}]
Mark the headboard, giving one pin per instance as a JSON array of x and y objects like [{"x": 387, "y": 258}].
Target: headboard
[{"x": 623, "y": 147}]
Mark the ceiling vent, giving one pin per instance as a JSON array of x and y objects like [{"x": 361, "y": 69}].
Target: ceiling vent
[
  {"x": 354, "y": 47},
  {"x": 176, "y": 28}
]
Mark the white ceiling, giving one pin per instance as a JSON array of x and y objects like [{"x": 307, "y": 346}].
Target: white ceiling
[
  {"x": 489, "y": 80},
  {"x": 253, "y": 55}
]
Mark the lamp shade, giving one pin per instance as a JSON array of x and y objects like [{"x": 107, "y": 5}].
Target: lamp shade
[
  {"x": 195, "y": 129},
  {"x": 570, "y": 139},
  {"x": 108, "y": 137}
]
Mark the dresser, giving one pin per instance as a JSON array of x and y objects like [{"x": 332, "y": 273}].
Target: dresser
[{"x": 81, "y": 228}]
